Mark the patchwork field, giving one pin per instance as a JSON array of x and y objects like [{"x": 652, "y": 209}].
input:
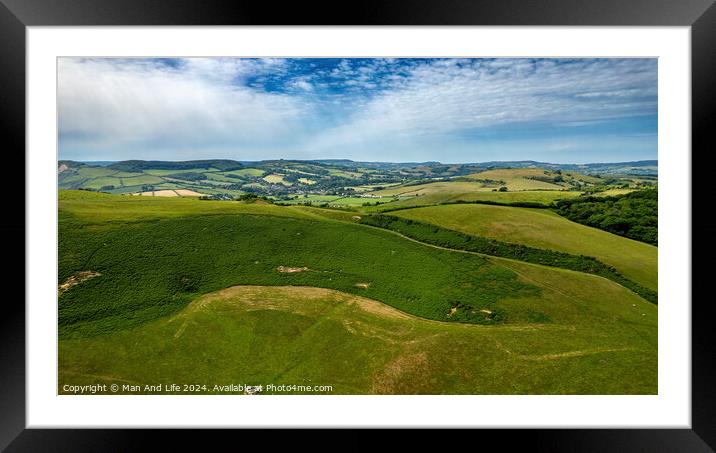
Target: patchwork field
[
  {"x": 330, "y": 301},
  {"x": 543, "y": 197},
  {"x": 440, "y": 187}
]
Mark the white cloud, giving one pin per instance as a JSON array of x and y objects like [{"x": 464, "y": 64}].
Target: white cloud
[{"x": 113, "y": 102}]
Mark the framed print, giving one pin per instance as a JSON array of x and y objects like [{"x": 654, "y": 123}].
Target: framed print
[{"x": 398, "y": 224}]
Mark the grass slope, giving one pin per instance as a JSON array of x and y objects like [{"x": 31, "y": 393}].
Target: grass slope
[
  {"x": 599, "y": 340},
  {"x": 545, "y": 197},
  {"x": 518, "y": 178},
  {"x": 550, "y": 330},
  {"x": 545, "y": 229},
  {"x": 152, "y": 266}
]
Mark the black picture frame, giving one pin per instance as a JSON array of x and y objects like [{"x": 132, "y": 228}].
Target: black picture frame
[{"x": 700, "y": 15}]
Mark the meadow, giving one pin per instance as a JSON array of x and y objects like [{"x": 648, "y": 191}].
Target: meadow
[
  {"x": 252, "y": 292},
  {"x": 545, "y": 229},
  {"x": 154, "y": 267},
  {"x": 454, "y": 240},
  {"x": 593, "y": 340}
]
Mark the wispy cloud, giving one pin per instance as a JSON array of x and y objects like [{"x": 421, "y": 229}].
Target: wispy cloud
[{"x": 253, "y": 108}]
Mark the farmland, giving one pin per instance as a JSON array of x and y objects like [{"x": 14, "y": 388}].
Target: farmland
[
  {"x": 369, "y": 277},
  {"x": 347, "y": 183}
]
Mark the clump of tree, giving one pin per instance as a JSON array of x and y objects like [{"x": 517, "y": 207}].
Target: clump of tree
[
  {"x": 633, "y": 215},
  {"x": 252, "y": 198},
  {"x": 188, "y": 176}
]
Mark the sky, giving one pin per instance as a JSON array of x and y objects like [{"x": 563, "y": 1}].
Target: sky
[{"x": 375, "y": 109}]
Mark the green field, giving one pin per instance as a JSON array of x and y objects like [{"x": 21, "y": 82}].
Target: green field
[
  {"x": 544, "y": 197},
  {"x": 533, "y": 180},
  {"x": 152, "y": 268},
  {"x": 613, "y": 192},
  {"x": 276, "y": 179},
  {"x": 333, "y": 200},
  {"x": 596, "y": 342},
  {"x": 543, "y": 228},
  {"x": 246, "y": 172},
  {"x": 332, "y": 302},
  {"x": 430, "y": 188}
]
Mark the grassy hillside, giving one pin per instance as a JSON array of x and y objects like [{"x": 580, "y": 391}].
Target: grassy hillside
[
  {"x": 594, "y": 339},
  {"x": 543, "y": 197},
  {"x": 544, "y": 229},
  {"x": 428, "y": 188},
  {"x": 162, "y": 281},
  {"x": 520, "y": 178},
  {"x": 521, "y": 184},
  {"x": 153, "y": 267}
]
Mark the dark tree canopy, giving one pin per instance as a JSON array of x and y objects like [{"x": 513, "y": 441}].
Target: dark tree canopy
[{"x": 634, "y": 215}]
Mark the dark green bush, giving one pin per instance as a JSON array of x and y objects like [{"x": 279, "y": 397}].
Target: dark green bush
[{"x": 633, "y": 215}]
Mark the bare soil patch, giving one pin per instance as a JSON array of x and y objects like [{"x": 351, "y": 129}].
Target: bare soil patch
[
  {"x": 291, "y": 270},
  {"x": 76, "y": 279}
]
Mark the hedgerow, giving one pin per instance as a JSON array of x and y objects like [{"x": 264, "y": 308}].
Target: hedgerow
[{"x": 443, "y": 237}]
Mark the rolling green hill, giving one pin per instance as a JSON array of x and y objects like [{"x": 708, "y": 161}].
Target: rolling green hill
[
  {"x": 154, "y": 266},
  {"x": 596, "y": 342},
  {"x": 540, "y": 197},
  {"x": 144, "y": 280},
  {"x": 544, "y": 229},
  {"x": 350, "y": 183}
]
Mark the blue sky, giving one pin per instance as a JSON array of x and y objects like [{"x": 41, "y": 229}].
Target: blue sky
[{"x": 400, "y": 110}]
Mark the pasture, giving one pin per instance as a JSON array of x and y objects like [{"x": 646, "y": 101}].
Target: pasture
[
  {"x": 217, "y": 292},
  {"x": 152, "y": 267},
  {"x": 543, "y": 197},
  {"x": 593, "y": 339},
  {"x": 543, "y": 228}
]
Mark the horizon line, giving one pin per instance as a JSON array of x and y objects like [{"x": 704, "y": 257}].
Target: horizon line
[{"x": 364, "y": 161}]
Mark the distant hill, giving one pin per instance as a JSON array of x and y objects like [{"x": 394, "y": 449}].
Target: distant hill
[
  {"x": 641, "y": 166},
  {"x": 645, "y": 167},
  {"x": 141, "y": 165},
  {"x": 346, "y": 179}
]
